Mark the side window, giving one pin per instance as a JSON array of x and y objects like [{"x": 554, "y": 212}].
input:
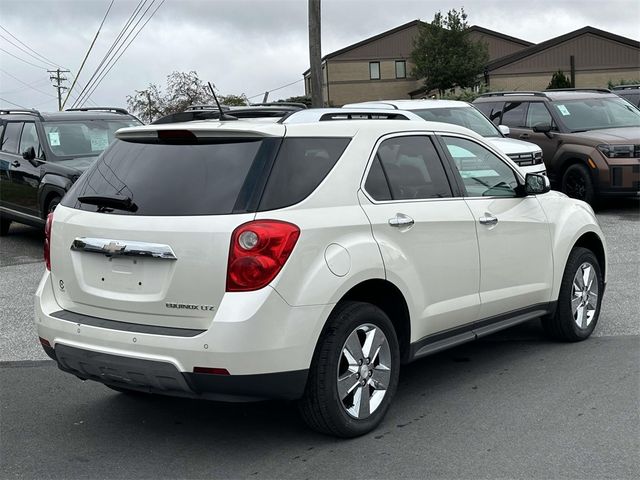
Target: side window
[
  {"x": 376, "y": 184},
  {"x": 301, "y": 165},
  {"x": 29, "y": 138},
  {"x": 412, "y": 168},
  {"x": 493, "y": 110},
  {"x": 513, "y": 114},
  {"x": 11, "y": 137},
  {"x": 537, "y": 114},
  {"x": 483, "y": 173}
]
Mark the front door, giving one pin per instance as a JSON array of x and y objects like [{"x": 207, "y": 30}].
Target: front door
[{"x": 513, "y": 232}]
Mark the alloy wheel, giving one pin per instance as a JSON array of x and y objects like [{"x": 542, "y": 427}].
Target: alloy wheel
[
  {"x": 364, "y": 371},
  {"x": 584, "y": 295}
]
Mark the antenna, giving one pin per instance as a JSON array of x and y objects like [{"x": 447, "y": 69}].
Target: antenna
[{"x": 223, "y": 116}]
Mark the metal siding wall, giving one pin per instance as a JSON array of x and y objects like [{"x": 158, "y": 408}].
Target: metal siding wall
[
  {"x": 395, "y": 46},
  {"x": 591, "y": 53}
]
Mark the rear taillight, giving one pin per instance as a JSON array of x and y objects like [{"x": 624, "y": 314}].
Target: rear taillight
[
  {"x": 47, "y": 241},
  {"x": 258, "y": 251}
]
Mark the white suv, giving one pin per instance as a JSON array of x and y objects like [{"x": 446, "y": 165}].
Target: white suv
[
  {"x": 237, "y": 261},
  {"x": 527, "y": 155}
]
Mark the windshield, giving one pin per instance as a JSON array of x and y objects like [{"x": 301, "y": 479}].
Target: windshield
[
  {"x": 597, "y": 113},
  {"x": 82, "y": 138},
  {"x": 467, "y": 117}
]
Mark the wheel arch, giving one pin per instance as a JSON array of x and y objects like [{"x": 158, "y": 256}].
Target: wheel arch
[
  {"x": 591, "y": 241},
  {"x": 51, "y": 186},
  {"x": 568, "y": 159},
  {"x": 386, "y": 296}
]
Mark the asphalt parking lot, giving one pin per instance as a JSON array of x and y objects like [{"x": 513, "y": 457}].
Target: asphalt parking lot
[{"x": 514, "y": 405}]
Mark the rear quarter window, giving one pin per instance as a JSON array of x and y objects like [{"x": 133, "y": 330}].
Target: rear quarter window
[{"x": 301, "y": 165}]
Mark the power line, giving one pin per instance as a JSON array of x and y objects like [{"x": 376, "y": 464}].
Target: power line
[
  {"x": 23, "y": 60},
  {"x": 24, "y": 50},
  {"x": 87, "y": 55},
  {"x": 27, "y": 46},
  {"x": 14, "y": 104},
  {"x": 26, "y": 87},
  {"x": 276, "y": 89},
  {"x": 96, "y": 72},
  {"x": 25, "y": 83},
  {"x": 88, "y": 95}
]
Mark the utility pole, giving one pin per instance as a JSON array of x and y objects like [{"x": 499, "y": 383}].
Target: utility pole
[
  {"x": 148, "y": 105},
  {"x": 56, "y": 76},
  {"x": 315, "y": 54}
]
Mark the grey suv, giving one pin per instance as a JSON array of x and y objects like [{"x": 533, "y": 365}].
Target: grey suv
[{"x": 590, "y": 138}]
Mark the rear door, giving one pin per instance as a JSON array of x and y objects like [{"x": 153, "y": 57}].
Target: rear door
[
  {"x": 426, "y": 234},
  {"x": 513, "y": 233},
  {"x": 159, "y": 257}
]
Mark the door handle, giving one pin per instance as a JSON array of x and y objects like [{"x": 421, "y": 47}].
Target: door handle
[
  {"x": 401, "y": 220},
  {"x": 488, "y": 219},
  {"x": 15, "y": 163},
  {"x": 524, "y": 135}
]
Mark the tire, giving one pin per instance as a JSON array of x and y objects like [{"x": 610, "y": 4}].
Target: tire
[
  {"x": 5, "y": 223},
  {"x": 577, "y": 183},
  {"x": 53, "y": 203},
  {"x": 326, "y": 410},
  {"x": 575, "y": 322}
]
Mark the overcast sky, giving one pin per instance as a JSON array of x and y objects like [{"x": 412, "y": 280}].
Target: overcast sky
[{"x": 245, "y": 46}]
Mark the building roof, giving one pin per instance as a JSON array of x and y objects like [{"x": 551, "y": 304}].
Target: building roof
[
  {"x": 537, "y": 48},
  {"x": 412, "y": 24}
]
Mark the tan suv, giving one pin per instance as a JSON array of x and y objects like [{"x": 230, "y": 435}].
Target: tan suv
[{"x": 590, "y": 138}]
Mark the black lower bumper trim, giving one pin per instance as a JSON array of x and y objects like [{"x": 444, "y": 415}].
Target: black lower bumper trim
[{"x": 164, "y": 378}]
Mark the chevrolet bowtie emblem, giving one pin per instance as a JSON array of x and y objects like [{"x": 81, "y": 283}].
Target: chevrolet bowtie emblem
[{"x": 113, "y": 247}]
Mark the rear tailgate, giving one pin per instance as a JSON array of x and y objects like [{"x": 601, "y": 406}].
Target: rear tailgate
[{"x": 182, "y": 292}]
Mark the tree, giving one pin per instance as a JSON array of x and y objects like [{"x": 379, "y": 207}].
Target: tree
[
  {"x": 559, "y": 80},
  {"x": 445, "y": 56},
  {"x": 185, "y": 89},
  {"x": 299, "y": 99},
  {"x": 147, "y": 103},
  {"x": 233, "y": 100}
]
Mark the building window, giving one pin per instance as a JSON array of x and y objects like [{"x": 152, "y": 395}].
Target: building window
[
  {"x": 401, "y": 69},
  {"x": 374, "y": 70}
]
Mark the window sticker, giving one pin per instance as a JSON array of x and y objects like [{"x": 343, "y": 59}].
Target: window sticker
[
  {"x": 99, "y": 140},
  {"x": 563, "y": 110},
  {"x": 478, "y": 173},
  {"x": 54, "y": 139}
]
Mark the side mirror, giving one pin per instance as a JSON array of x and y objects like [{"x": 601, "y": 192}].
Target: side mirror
[
  {"x": 542, "y": 128},
  {"x": 536, "y": 184},
  {"x": 504, "y": 129},
  {"x": 29, "y": 154}
]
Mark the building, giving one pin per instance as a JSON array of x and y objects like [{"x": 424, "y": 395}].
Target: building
[
  {"x": 380, "y": 67},
  {"x": 598, "y": 57}
]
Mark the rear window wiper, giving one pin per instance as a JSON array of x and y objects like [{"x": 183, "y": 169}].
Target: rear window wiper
[{"x": 104, "y": 202}]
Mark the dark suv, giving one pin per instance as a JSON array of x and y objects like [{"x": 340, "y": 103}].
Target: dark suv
[
  {"x": 590, "y": 138},
  {"x": 42, "y": 154},
  {"x": 631, "y": 93}
]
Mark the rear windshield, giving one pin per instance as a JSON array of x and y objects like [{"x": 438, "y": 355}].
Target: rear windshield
[{"x": 223, "y": 177}]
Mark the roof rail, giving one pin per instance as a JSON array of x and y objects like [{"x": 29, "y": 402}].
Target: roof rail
[
  {"x": 365, "y": 115},
  {"x": 279, "y": 104},
  {"x": 24, "y": 111},
  {"x": 121, "y": 111},
  {"x": 626, "y": 87},
  {"x": 514, "y": 92},
  {"x": 602, "y": 90},
  {"x": 193, "y": 108}
]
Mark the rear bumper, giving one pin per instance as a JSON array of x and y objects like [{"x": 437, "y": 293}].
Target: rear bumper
[
  {"x": 164, "y": 378},
  {"x": 264, "y": 344}
]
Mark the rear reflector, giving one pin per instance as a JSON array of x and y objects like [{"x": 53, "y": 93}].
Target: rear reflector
[
  {"x": 211, "y": 371},
  {"x": 44, "y": 343}
]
